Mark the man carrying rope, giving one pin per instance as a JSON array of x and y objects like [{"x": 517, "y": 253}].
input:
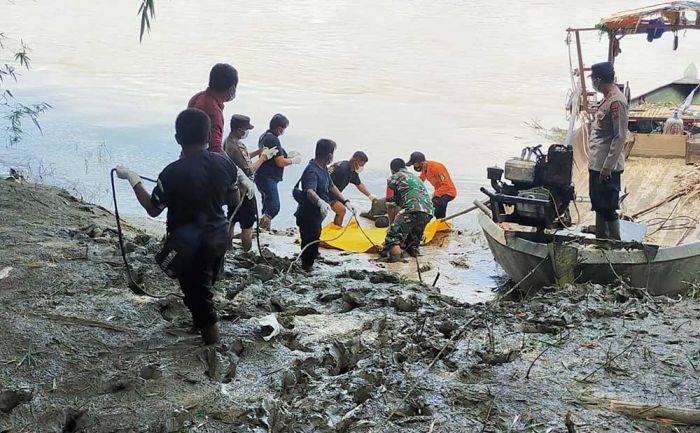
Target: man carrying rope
[
  {"x": 410, "y": 210},
  {"x": 606, "y": 159},
  {"x": 314, "y": 199},
  {"x": 193, "y": 189}
]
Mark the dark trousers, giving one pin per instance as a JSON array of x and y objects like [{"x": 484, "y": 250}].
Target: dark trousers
[
  {"x": 605, "y": 194},
  {"x": 196, "y": 284},
  {"x": 309, "y": 222},
  {"x": 440, "y": 205},
  {"x": 270, "y": 195}
]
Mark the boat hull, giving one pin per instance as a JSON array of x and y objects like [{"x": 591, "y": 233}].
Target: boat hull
[{"x": 663, "y": 271}]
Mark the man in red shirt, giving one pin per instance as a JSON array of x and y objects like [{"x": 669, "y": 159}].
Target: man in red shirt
[{"x": 223, "y": 79}]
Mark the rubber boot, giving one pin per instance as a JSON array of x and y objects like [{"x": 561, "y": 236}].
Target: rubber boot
[
  {"x": 601, "y": 227},
  {"x": 614, "y": 230},
  {"x": 210, "y": 335}
]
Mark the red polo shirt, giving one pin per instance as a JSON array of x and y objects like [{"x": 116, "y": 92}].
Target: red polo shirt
[{"x": 213, "y": 105}]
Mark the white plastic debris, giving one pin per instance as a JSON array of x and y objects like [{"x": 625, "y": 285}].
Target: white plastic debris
[
  {"x": 270, "y": 327},
  {"x": 5, "y": 272}
]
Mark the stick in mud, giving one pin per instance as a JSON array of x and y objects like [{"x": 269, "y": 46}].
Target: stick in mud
[
  {"x": 609, "y": 361},
  {"x": 527, "y": 375}
]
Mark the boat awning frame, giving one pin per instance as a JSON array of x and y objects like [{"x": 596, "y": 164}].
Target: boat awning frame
[{"x": 632, "y": 22}]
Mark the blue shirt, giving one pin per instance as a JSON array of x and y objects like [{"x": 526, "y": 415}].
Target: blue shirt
[{"x": 318, "y": 179}]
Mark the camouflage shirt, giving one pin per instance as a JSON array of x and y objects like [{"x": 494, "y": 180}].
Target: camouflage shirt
[{"x": 408, "y": 192}]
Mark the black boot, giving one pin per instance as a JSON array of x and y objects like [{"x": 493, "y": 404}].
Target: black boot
[
  {"x": 601, "y": 227},
  {"x": 614, "y": 230}
]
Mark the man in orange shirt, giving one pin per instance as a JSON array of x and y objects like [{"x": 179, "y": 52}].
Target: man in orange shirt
[{"x": 438, "y": 176}]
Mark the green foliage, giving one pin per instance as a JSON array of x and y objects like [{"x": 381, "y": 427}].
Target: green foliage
[
  {"x": 147, "y": 10},
  {"x": 13, "y": 111}
]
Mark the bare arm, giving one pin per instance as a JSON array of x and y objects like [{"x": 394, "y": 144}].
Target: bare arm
[
  {"x": 256, "y": 165},
  {"x": 255, "y": 153},
  {"x": 363, "y": 189},
  {"x": 144, "y": 199},
  {"x": 312, "y": 196},
  {"x": 281, "y": 161}
]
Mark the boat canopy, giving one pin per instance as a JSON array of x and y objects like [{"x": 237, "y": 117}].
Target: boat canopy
[{"x": 673, "y": 15}]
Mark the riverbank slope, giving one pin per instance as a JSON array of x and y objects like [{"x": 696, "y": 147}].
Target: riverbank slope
[{"x": 360, "y": 350}]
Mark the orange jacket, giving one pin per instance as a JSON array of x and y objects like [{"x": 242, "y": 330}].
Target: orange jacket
[{"x": 438, "y": 176}]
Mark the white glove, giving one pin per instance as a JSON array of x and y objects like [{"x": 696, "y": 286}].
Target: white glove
[
  {"x": 323, "y": 207},
  {"x": 270, "y": 152},
  {"x": 351, "y": 207},
  {"x": 246, "y": 184},
  {"x": 296, "y": 160},
  {"x": 130, "y": 175},
  {"x": 372, "y": 197},
  {"x": 293, "y": 154}
]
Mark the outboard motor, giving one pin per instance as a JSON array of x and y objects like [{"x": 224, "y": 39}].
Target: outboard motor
[{"x": 539, "y": 189}]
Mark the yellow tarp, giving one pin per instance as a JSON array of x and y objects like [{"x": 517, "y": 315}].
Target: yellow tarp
[{"x": 355, "y": 240}]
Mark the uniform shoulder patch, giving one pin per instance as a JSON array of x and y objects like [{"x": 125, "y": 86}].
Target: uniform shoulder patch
[{"x": 615, "y": 109}]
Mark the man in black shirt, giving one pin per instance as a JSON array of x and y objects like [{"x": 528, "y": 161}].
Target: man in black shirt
[
  {"x": 344, "y": 173},
  {"x": 270, "y": 172},
  {"x": 193, "y": 189},
  {"x": 317, "y": 189}
]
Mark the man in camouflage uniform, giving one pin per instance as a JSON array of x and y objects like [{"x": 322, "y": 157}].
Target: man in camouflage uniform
[
  {"x": 606, "y": 159},
  {"x": 409, "y": 208}
]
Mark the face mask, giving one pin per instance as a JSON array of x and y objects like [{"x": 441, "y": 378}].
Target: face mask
[
  {"x": 245, "y": 134},
  {"x": 359, "y": 169},
  {"x": 231, "y": 94},
  {"x": 417, "y": 168}
]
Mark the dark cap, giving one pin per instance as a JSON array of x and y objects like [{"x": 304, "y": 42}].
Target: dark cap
[
  {"x": 240, "y": 121},
  {"x": 397, "y": 164},
  {"x": 603, "y": 70},
  {"x": 415, "y": 158}
]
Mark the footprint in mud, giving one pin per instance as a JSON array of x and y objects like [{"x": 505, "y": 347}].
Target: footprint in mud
[
  {"x": 73, "y": 420},
  {"x": 9, "y": 399},
  {"x": 341, "y": 357}
]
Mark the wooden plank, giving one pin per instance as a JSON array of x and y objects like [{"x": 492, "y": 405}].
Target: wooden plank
[
  {"x": 659, "y": 145},
  {"x": 692, "y": 154}
]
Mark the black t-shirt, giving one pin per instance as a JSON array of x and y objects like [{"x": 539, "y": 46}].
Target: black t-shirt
[
  {"x": 343, "y": 174},
  {"x": 269, "y": 168},
  {"x": 193, "y": 189}
]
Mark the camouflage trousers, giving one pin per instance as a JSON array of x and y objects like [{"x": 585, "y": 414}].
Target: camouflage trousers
[{"x": 407, "y": 230}]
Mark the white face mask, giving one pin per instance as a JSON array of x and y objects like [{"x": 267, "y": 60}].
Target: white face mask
[
  {"x": 231, "y": 94},
  {"x": 359, "y": 169},
  {"x": 245, "y": 134}
]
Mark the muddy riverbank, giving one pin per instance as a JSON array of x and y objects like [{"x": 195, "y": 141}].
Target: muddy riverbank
[{"x": 361, "y": 350}]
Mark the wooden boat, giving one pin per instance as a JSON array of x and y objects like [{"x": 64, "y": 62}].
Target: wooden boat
[{"x": 660, "y": 250}]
